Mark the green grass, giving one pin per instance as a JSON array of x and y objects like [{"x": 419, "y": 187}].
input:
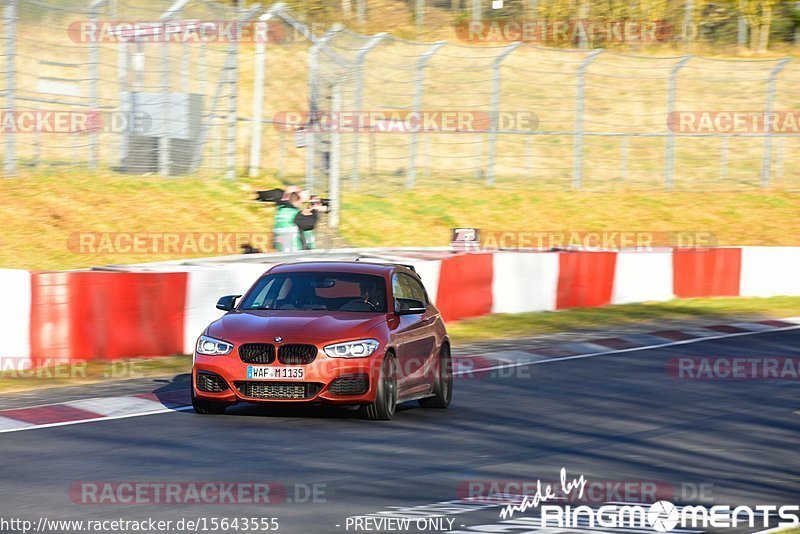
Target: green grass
[
  {"x": 504, "y": 326},
  {"x": 92, "y": 372},
  {"x": 425, "y": 216},
  {"x": 41, "y": 211}
]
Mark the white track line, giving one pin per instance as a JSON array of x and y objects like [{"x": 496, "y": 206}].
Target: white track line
[
  {"x": 632, "y": 349},
  {"x": 457, "y": 373},
  {"x": 97, "y": 419}
]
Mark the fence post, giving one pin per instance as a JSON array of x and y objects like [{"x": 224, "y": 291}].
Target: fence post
[
  {"x": 334, "y": 185},
  {"x": 580, "y": 103},
  {"x": 258, "y": 100},
  {"x": 10, "y": 23},
  {"x": 164, "y": 155},
  {"x": 313, "y": 97},
  {"x": 769, "y": 104},
  {"x": 163, "y": 142},
  {"x": 233, "y": 87},
  {"x": 361, "y": 12},
  {"x": 419, "y": 83},
  {"x": 358, "y": 98},
  {"x": 495, "y": 110},
  {"x": 281, "y": 156},
  {"x": 477, "y": 11},
  {"x": 669, "y": 156},
  {"x": 94, "y": 81},
  {"x": 123, "y": 64},
  {"x": 313, "y": 107}
]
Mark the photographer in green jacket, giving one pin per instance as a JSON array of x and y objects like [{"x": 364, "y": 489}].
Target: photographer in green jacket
[{"x": 294, "y": 222}]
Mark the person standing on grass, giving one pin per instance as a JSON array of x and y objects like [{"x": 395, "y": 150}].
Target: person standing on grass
[
  {"x": 306, "y": 221},
  {"x": 295, "y": 220},
  {"x": 286, "y": 236}
]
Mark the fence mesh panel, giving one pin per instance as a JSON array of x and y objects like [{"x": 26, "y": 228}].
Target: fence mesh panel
[{"x": 541, "y": 117}]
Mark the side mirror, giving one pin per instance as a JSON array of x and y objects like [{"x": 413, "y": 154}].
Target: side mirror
[{"x": 227, "y": 303}]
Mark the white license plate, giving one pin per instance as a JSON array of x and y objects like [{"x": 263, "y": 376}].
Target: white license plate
[{"x": 274, "y": 373}]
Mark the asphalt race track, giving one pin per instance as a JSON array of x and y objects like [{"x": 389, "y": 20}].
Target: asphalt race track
[{"x": 615, "y": 417}]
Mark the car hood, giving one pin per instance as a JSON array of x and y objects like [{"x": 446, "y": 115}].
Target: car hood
[{"x": 265, "y": 325}]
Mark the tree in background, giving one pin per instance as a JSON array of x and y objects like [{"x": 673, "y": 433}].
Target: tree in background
[
  {"x": 758, "y": 15},
  {"x": 712, "y": 21}
]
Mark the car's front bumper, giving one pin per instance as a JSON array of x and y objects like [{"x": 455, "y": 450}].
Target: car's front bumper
[{"x": 329, "y": 380}]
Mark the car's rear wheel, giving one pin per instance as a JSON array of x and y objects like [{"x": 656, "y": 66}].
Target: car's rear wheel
[
  {"x": 386, "y": 395},
  {"x": 443, "y": 384},
  {"x": 205, "y": 407}
]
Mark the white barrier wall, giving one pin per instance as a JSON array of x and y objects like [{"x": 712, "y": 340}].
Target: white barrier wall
[
  {"x": 770, "y": 271},
  {"x": 15, "y": 316},
  {"x": 205, "y": 286},
  {"x": 642, "y": 277},
  {"x": 524, "y": 282},
  {"x": 462, "y": 286},
  {"x": 428, "y": 272}
]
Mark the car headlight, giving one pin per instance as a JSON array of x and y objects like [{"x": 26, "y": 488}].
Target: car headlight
[
  {"x": 352, "y": 349},
  {"x": 209, "y": 346}
]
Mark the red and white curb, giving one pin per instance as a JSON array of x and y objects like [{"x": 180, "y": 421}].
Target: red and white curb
[
  {"x": 90, "y": 410},
  {"x": 465, "y": 365}
]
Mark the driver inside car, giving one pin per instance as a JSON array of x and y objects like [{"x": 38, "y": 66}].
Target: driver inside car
[
  {"x": 302, "y": 296},
  {"x": 370, "y": 294}
]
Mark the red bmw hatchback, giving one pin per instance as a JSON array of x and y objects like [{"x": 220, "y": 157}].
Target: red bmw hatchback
[{"x": 346, "y": 333}]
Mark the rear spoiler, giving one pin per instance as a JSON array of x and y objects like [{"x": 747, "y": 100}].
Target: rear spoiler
[{"x": 410, "y": 267}]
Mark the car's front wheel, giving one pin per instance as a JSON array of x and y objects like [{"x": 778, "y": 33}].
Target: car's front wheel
[
  {"x": 205, "y": 407},
  {"x": 443, "y": 383},
  {"x": 386, "y": 395}
]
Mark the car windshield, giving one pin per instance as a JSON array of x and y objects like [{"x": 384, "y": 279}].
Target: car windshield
[{"x": 318, "y": 291}]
